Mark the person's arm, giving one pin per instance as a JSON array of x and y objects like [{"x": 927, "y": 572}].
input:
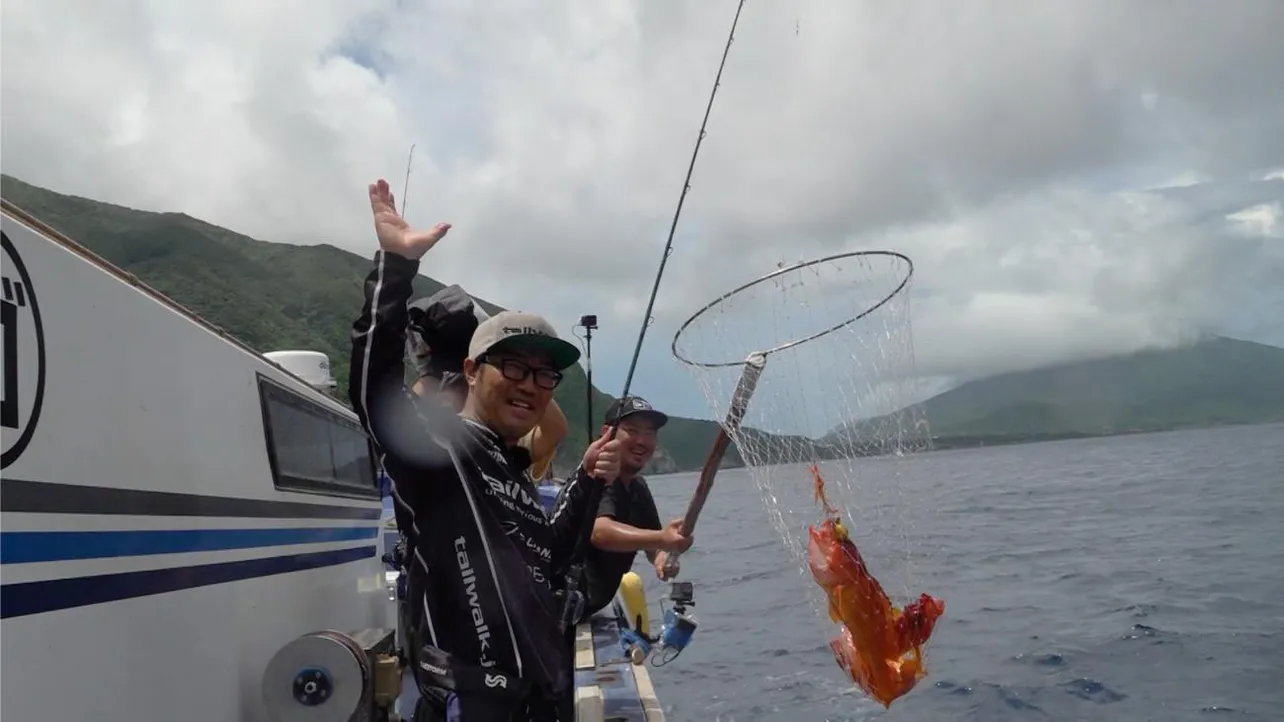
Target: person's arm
[
  {"x": 542, "y": 441},
  {"x": 389, "y": 412},
  {"x": 578, "y": 501},
  {"x": 549, "y": 432},
  {"x": 614, "y": 536},
  {"x": 650, "y": 518}
]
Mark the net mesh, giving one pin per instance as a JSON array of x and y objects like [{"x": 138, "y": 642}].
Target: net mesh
[{"x": 845, "y": 399}]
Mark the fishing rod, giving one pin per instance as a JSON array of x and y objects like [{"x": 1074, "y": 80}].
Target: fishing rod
[
  {"x": 574, "y": 600},
  {"x": 686, "y": 186}
]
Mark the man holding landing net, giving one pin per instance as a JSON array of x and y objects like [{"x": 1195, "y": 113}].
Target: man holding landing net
[{"x": 627, "y": 519}]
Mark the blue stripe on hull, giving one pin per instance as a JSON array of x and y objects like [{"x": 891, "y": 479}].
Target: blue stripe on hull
[
  {"x": 24, "y": 547},
  {"x": 43, "y": 497},
  {"x": 25, "y": 598}
]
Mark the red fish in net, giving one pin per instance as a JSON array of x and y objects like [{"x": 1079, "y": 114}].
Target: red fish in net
[{"x": 879, "y": 646}]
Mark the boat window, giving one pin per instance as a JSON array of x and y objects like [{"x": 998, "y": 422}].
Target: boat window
[{"x": 314, "y": 449}]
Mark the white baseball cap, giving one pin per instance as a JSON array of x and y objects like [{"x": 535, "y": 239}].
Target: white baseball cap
[{"x": 518, "y": 330}]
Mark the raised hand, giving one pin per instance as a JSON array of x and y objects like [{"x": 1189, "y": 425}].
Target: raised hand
[
  {"x": 395, "y": 235},
  {"x": 602, "y": 458}
]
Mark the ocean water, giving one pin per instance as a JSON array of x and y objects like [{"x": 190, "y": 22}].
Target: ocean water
[{"x": 1128, "y": 578}]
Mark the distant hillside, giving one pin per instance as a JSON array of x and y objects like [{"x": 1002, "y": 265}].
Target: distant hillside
[
  {"x": 278, "y": 296},
  {"x": 1213, "y": 382}
]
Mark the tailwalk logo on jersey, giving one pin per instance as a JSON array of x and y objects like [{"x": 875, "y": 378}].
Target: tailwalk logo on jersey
[
  {"x": 23, "y": 354},
  {"x": 469, "y": 577},
  {"x": 509, "y": 493}
]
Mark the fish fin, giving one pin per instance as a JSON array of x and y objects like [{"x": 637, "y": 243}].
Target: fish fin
[
  {"x": 836, "y": 605},
  {"x": 820, "y": 491}
]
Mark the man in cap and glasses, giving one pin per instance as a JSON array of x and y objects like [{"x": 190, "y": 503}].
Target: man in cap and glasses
[
  {"x": 441, "y": 327},
  {"x": 484, "y": 570}
]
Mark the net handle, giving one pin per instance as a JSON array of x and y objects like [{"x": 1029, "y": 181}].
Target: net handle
[
  {"x": 909, "y": 273},
  {"x": 748, "y": 383}
]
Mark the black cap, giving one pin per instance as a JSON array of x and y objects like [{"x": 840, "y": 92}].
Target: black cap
[
  {"x": 621, "y": 409},
  {"x": 444, "y": 324}
]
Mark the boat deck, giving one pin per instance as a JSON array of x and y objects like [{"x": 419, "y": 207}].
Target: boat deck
[{"x": 607, "y": 685}]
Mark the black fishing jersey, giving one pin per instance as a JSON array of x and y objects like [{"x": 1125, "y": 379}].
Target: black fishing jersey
[{"x": 484, "y": 552}]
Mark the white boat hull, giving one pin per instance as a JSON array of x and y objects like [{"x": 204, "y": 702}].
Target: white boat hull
[{"x": 155, "y": 552}]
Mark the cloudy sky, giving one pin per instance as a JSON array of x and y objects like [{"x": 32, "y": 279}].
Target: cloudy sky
[{"x": 1070, "y": 178}]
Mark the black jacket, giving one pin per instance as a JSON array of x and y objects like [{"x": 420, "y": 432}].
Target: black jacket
[
  {"x": 440, "y": 327},
  {"x": 630, "y": 504},
  {"x": 485, "y": 554}
]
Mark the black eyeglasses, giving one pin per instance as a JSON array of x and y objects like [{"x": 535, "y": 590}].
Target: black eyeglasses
[{"x": 515, "y": 370}]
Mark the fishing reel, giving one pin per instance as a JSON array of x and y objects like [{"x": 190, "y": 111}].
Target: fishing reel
[
  {"x": 331, "y": 676},
  {"x": 396, "y": 561},
  {"x": 570, "y": 598},
  {"x": 675, "y": 633}
]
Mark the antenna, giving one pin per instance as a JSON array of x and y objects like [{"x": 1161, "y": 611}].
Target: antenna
[
  {"x": 405, "y": 188},
  {"x": 588, "y": 323}
]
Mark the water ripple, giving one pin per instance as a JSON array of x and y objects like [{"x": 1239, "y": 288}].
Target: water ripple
[
  {"x": 1092, "y": 690},
  {"x": 1128, "y": 579}
]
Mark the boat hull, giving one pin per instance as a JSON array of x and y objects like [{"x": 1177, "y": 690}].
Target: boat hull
[{"x": 160, "y": 542}]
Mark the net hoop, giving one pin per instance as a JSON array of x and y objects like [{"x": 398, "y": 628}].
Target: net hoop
[{"x": 909, "y": 273}]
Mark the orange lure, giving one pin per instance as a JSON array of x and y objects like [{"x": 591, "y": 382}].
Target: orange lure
[{"x": 879, "y": 646}]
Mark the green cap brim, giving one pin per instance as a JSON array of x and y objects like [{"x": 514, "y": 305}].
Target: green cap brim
[{"x": 563, "y": 354}]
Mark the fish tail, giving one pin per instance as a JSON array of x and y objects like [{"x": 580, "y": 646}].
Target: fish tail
[{"x": 819, "y": 483}]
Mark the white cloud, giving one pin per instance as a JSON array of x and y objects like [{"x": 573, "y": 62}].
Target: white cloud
[
  {"x": 991, "y": 142},
  {"x": 1262, "y": 219},
  {"x": 1183, "y": 180}
]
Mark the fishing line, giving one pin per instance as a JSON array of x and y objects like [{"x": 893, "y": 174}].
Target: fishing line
[
  {"x": 686, "y": 186},
  {"x": 574, "y": 600},
  {"x": 405, "y": 187}
]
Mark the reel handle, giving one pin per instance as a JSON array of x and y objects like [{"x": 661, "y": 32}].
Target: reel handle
[{"x": 670, "y": 566}]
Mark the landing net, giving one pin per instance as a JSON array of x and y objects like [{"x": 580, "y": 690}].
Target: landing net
[{"x": 839, "y": 389}]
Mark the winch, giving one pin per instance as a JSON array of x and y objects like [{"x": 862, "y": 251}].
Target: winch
[
  {"x": 331, "y": 676},
  {"x": 675, "y": 632},
  {"x": 678, "y": 626}
]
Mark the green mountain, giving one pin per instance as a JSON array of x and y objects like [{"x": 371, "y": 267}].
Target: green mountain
[
  {"x": 1212, "y": 382},
  {"x": 280, "y": 296},
  {"x": 276, "y": 296}
]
